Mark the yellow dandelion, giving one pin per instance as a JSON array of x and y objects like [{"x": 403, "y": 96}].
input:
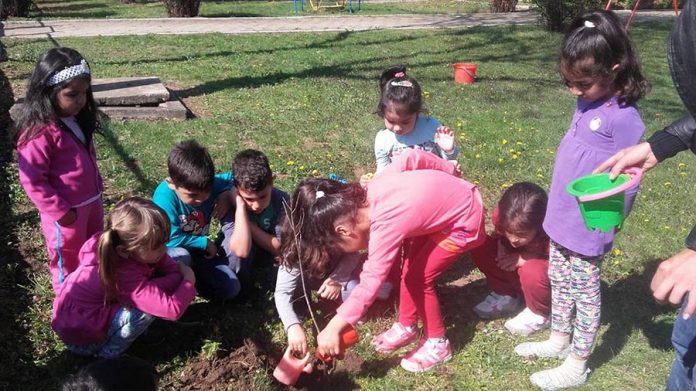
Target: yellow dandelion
[
  {"x": 515, "y": 156},
  {"x": 539, "y": 176},
  {"x": 270, "y": 166},
  {"x": 504, "y": 141},
  {"x": 500, "y": 160},
  {"x": 667, "y": 228},
  {"x": 478, "y": 156},
  {"x": 682, "y": 173},
  {"x": 668, "y": 184},
  {"x": 519, "y": 143},
  {"x": 646, "y": 220},
  {"x": 315, "y": 172},
  {"x": 290, "y": 163},
  {"x": 617, "y": 252},
  {"x": 616, "y": 262},
  {"x": 512, "y": 150},
  {"x": 301, "y": 167},
  {"x": 426, "y": 93},
  {"x": 459, "y": 124},
  {"x": 681, "y": 165}
]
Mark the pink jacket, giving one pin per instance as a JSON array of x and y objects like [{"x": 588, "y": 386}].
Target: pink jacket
[
  {"x": 80, "y": 314},
  {"x": 58, "y": 171},
  {"x": 416, "y": 195}
]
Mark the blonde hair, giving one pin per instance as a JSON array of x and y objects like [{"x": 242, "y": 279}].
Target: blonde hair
[{"x": 134, "y": 223}]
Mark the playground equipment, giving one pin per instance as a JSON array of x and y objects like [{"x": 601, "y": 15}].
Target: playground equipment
[
  {"x": 316, "y": 5},
  {"x": 635, "y": 8}
]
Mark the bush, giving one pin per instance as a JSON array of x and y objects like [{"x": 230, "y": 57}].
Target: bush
[
  {"x": 556, "y": 15},
  {"x": 14, "y": 8},
  {"x": 503, "y": 5},
  {"x": 182, "y": 8}
]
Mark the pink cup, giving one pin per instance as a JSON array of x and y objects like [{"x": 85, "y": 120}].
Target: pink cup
[{"x": 290, "y": 368}]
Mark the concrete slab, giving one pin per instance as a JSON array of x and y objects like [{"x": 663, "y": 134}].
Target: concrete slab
[
  {"x": 173, "y": 109},
  {"x": 129, "y": 91}
]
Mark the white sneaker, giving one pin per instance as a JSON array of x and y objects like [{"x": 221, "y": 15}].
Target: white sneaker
[
  {"x": 497, "y": 306},
  {"x": 526, "y": 323}
]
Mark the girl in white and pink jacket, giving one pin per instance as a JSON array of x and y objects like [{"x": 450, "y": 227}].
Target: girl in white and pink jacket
[{"x": 56, "y": 156}]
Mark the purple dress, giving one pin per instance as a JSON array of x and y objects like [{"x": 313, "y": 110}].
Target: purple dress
[{"x": 598, "y": 130}]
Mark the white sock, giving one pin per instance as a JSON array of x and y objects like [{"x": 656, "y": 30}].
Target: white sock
[
  {"x": 573, "y": 372},
  {"x": 552, "y": 347}
]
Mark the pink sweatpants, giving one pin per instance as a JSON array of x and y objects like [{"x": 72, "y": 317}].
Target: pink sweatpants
[{"x": 64, "y": 242}]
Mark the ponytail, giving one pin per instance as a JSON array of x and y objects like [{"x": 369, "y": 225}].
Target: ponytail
[
  {"x": 399, "y": 92},
  {"x": 107, "y": 269}
]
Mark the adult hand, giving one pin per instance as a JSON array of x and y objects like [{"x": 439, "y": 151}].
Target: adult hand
[
  {"x": 444, "y": 138},
  {"x": 68, "y": 218},
  {"x": 674, "y": 278},
  {"x": 640, "y": 155},
  {"x": 297, "y": 341}
]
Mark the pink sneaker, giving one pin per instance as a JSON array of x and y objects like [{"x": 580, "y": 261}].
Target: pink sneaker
[
  {"x": 427, "y": 355},
  {"x": 396, "y": 337}
]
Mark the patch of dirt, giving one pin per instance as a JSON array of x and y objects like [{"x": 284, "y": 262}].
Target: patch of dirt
[
  {"x": 235, "y": 371},
  {"x": 337, "y": 376}
]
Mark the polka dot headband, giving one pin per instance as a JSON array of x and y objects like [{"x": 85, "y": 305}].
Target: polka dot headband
[{"x": 68, "y": 73}]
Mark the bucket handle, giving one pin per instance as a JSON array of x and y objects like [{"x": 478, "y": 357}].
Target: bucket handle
[{"x": 635, "y": 173}]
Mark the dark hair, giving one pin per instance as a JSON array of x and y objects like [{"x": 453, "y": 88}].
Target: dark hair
[
  {"x": 312, "y": 220},
  {"x": 190, "y": 166},
  {"x": 39, "y": 108},
  {"x": 114, "y": 374},
  {"x": 606, "y": 44},
  {"x": 251, "y": 170},
  {"x": 522, "y": 207},
  {"x": 404, "y": 99}
]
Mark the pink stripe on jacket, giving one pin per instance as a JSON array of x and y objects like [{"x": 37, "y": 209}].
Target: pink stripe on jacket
[
  {"x": 80, "y": 314},
  {"x": 58, "y": 171},
  {"x": 416, "y": 195}
]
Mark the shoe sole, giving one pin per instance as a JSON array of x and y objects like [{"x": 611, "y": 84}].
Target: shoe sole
[
  {"x": 419, "y": 369},
  {"x": 523, "y": 333}
]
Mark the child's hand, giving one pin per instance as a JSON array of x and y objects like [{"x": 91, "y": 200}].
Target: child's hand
[
  {"x": 508, "y": 262},
  {"x": 187, "y": 272},
  {"x": 365, "y": 180},
  {"x": 330, "y": 290},
  {"x": 297, "y": 341},
  {"x": 444, "y": 137},
  {"x": 457, "y": 168},
  {"x": 68, "y": 218},
  {"x": 223, "y": 203},
  {"x": 210, "y": 250}
]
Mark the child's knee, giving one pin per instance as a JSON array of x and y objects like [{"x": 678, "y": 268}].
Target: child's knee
[
  {"x": 181, "y": 255},
  {"x": 534, "y": 272}
]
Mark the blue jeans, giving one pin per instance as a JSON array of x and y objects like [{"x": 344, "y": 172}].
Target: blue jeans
[
  {"x": 684, "y": 340},
  {"x": 215, "y": 280},
  {"x": 127, "y": 325}
]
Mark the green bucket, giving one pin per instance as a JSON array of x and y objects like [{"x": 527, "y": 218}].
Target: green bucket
[{"x": 601, "y": 200}]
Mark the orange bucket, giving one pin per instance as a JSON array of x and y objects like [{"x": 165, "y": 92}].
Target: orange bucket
[{"x": 464, "y": 73}]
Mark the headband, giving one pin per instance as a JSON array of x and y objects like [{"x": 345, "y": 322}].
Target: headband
[
  {"x": 68, "y": 73},
  {"x": 402, "y": 83}
]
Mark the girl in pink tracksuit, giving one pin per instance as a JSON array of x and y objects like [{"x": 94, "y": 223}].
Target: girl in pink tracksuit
[
  {"x": 125, "y": 280},
  {"x": 56, "y": 156},
  {"x": 417, "y": 201}
]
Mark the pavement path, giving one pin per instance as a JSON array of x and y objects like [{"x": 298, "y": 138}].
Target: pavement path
[{"x": 111, "y": 27}]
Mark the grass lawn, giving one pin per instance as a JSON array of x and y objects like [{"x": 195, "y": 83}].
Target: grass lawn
[
  {"x": 76, "y": 9},
  {"x": 306, "y": 100}
]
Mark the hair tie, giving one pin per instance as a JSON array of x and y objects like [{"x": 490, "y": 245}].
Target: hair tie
[
  {"x": 68, "y": 73},
  {"x": 399, "y": 74},
  {"x": 589, "y": 24},
  {"x": 402, "y": 83},
  {"x": 318, "y": 195}
]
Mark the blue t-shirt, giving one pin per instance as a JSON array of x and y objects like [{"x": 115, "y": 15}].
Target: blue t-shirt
[{"x": 190, "y": 224}]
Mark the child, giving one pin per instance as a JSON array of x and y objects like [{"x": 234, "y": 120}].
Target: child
[
  {"x": 601, "y": 68},
  {"x": 191, "y": 196},
  {"x": 125, "y": 280},
  {"x": 401, "y": 107},
  {"x": 252, "y": 229},
  {"x": 343, "y": 279},
  {"x": 416, "y": 199},
  {"x": 515, "y": 261},
  {"x": 57, "y": 160}
]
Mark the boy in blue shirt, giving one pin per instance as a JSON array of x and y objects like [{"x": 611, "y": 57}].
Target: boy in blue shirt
[
  {"x": 252, "y": 228},
  {"x": 191, "y": 196}
]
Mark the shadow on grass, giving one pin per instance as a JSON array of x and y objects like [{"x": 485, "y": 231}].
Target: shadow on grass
[
  {"x": 145, "y": 185},
  {"x": 628, "y": 305}
]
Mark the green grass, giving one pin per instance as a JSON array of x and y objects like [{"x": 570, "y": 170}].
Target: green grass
[
  {"x": 77, "y": 9},
  {"x": 306, "y": 100}
]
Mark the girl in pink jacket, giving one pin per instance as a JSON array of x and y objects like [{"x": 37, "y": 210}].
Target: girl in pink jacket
[
  {"x": 125, "y": 280},
  {"x": 418, "y": 201},
  {"x": 56, "y": 156}
]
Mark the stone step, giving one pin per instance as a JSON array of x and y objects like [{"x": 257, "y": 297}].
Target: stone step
[{"x": 129, "y": 91}]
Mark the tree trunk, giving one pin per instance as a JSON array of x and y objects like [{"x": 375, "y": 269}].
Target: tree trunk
[
  {"x": 182, "y": 8},
  {"x": 503, "y": 5},
  {"x": 14, "y": 8}
]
